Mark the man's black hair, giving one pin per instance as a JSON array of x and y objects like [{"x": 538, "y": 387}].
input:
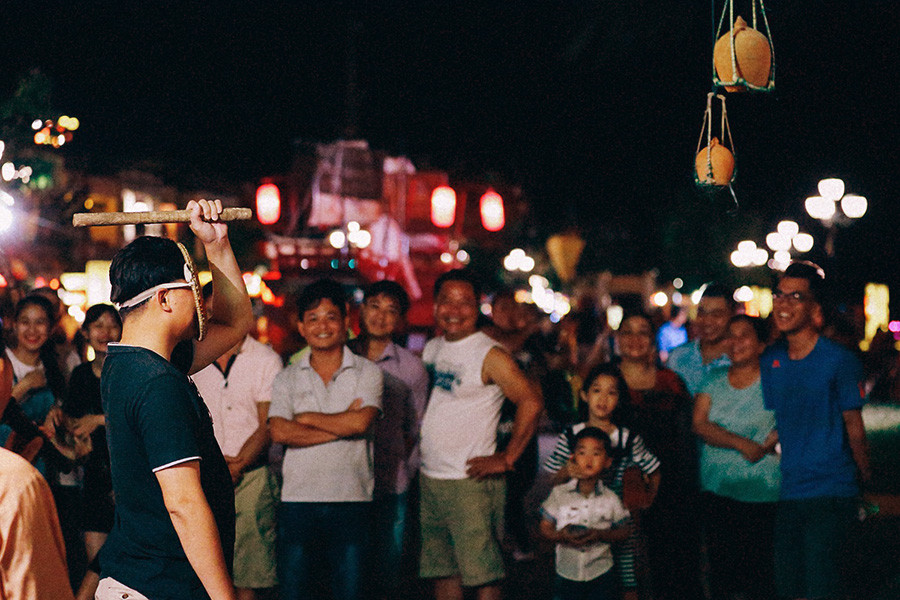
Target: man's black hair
[
  {"x": 595, "y": 433},
  {"x": 323, "y": 289},
  {"x": 811, "y": 272},
  {"x": 504, "y": 293},
  {"x": 392, "y": 290},
  {"x": 461, "y": 275},
  {"x": 718, "y": 290},
  {"x": 146, "y": 262}
]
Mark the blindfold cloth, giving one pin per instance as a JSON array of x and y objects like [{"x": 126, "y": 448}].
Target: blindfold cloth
[{"x": 190, "y": 281}]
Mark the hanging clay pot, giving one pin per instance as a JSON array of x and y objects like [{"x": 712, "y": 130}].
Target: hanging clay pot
[
  {"x": 715, "y": 167},
  {"x": 752, "y": 54}
]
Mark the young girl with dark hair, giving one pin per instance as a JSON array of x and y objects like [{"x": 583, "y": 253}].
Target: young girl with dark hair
[{"x": 600, "y": 396}]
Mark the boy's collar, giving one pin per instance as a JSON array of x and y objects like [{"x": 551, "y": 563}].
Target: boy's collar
[{"x": 572, "y": 486}]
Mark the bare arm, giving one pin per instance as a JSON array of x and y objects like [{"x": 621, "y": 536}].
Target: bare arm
[
  {"x": 550, "y": 533},
  {"x": 609, "y": 536},
  {"x": 253, "y": 447},
  {"x": 232, "y": 315},
  {"x": 716, "y": 435},
  {"x": 771, "y": 441},
  {"x": 653, "y": 481},
  {"x": 291, "y": 433},
  {"x": 195, "y": 526},
  {"x": 585, "y": 537},
  {"x": 500, "y": 368},
  {"x": 856, "y": 436},
  {"x": 563, "y": 475},
  {"x": 354, "y": 421}
]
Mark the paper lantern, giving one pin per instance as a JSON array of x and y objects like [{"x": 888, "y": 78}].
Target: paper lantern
[
  {"x": 443, "y": 206},
  {"x": 565, "y": 252},
  {"x": 492, "y": 215},
  {"x": 714, "y": 164},
  {"x": 268, "y": 204},
  {"x": 752, "y": 57}
]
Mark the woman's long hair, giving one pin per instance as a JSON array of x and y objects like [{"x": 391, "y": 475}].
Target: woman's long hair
[{"x": 56, "y": 381}]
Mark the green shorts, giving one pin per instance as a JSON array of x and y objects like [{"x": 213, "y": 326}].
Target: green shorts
[
  {"x": 255, "y": 501},
  {"x": 462, "y": 524}
]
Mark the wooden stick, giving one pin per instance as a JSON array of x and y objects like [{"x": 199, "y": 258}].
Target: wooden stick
[{"x": 150, "y": 217}]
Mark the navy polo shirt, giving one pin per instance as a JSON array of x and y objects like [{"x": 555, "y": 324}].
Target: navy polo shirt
[{"x": 155, "y": 418}]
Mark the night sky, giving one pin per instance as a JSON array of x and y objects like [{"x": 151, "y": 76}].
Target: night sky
[{"x": 593, "y": 107}]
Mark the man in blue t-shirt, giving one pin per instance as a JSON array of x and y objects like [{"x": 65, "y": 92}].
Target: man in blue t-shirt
[
  {"x": 812, "y": 384},
  {"x": 173, "y": 534}
]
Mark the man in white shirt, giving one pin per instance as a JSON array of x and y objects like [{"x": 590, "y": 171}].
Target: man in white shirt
[
  {"x": 237, "y": 388},
  {"x": 462, "y": 484}
]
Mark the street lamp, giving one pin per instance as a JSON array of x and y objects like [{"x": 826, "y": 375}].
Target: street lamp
[
  {"x": 824, "y": 208},
  {"x": 787, "y": 236},
  {"x": 6, "y": 213}
]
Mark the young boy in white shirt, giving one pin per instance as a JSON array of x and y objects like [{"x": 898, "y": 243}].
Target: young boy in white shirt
[{"x": 583, "y": 518}]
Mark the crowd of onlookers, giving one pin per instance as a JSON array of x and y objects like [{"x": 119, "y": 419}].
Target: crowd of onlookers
[{"x": 726, "y": 466}]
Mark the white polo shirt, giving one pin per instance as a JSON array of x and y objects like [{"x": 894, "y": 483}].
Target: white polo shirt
[{"x": 232, "y": 396}]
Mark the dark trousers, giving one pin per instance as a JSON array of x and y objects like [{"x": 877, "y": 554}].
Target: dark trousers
[
  {"x": 518, "y": 482},
  {"x": 810, "y": 535},
  {"x": 388, "y": 533},
  {"x": 337, "y": 531},
  {"x": 672, "y": 529},
  {"x": 739, "y": 543},
  {"x": 605, "y": 587}
]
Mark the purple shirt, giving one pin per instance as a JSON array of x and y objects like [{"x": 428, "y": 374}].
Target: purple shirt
[{"x": 397, "y": 431}]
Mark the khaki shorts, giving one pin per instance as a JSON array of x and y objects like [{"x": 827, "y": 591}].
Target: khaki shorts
[
  {"x": 255, "y": 502},
  {"x": 462, "y": 523}
]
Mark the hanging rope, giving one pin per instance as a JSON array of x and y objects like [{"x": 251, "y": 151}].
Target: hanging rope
[
  {"x": 724, "y": 137},
  {"x": 738, "y": 80}
]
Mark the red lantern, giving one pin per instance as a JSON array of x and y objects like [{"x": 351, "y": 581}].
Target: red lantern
[
  {"x": 443, "y": 206},
  {"x": 268, "y": 204},
  {"x": 492, "y": 216}
]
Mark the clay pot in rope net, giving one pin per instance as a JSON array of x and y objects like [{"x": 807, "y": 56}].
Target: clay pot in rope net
[
  {"x": 714, "y": 164},
  {"x": 753, "y": 56}
]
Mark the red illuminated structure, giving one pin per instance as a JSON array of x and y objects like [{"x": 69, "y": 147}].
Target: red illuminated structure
[
  {"x": 492, "y": 215},
  {"x": 415, "y": 224},
  {"x": 268, "y": 204},
  {"x": 443, "y": 206}
]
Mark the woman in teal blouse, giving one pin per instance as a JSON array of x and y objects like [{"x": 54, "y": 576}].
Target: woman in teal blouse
[{"x": 739, "y": 471}]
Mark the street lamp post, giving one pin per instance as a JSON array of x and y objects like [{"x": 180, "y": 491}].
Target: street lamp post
[{"x": 832, "y": 208}]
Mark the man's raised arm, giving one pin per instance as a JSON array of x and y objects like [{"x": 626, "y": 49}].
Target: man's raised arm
[{"x": 232, "y": 315}]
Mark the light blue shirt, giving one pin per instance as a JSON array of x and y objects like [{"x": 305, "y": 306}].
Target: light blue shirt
[
  {"x": 687, "y": 361},
  {"x": 725, "y": 471}
]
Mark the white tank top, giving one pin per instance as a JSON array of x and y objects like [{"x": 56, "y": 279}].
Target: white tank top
[{"x": 462, "y": 415}]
